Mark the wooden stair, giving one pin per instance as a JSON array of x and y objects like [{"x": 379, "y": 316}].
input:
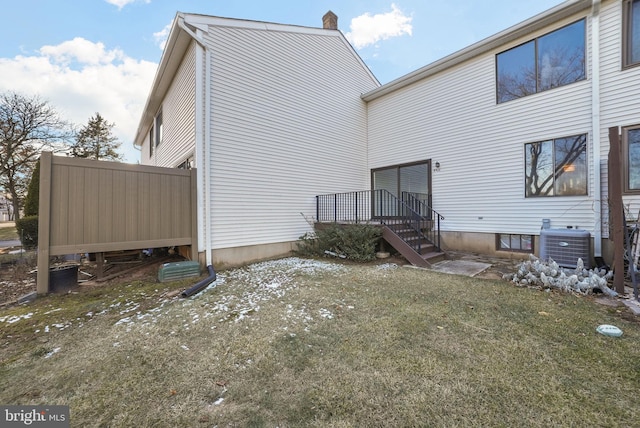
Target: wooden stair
[{"x": 405, "y": 241}]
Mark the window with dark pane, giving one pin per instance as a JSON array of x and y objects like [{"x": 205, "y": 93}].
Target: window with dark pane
[
  {"x": 549, "y": 61},
  {"x": 632, "y": 137}
]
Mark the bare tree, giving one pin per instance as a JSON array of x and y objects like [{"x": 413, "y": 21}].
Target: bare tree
[
  {"x": 28, "y": 126},
  {"x": 95, "y": 141},
  {"x": 555, "y": 68}
]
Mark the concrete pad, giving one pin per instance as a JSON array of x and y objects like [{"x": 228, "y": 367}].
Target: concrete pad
[
  {"x": 634, "y": 305},
  {"x": 608, "y": 301},
  {"x": 460, "y": 267}
]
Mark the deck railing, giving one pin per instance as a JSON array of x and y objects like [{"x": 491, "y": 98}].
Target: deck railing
[{"x": 380, "y": 206}]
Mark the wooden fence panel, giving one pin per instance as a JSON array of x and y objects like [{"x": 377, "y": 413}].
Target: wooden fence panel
[{"x": 89, "y": 206}]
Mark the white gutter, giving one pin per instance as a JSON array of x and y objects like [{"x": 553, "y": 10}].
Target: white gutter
[
  {"x": 203, "y": 125},
  {"x": 595, "y": 123}
]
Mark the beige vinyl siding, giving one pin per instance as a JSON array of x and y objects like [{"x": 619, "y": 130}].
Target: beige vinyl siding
[
  {"x": 620, "y": 95},
  {"x": 287, "y": 123},
  {"x": 452, "y": 118},
  {"x": 178, "y": 112}
]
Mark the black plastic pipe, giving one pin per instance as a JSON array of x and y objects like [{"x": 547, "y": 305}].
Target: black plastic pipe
[{"x": 202, "y": 284}]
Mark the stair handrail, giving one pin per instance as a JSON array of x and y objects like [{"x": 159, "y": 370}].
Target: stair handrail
[
  {"x": 405, "y": 215},
  {"x": 434, "y": 215},
  {"x": 381, "y": 206}
]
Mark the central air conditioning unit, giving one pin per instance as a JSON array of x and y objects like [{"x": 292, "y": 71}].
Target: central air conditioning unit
[{"x": 566, "y": 246}]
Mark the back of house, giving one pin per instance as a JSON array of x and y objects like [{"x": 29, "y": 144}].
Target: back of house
[
  {"x": 270, "y": 115},
  {"x": 514, "y": 130},
  {"x": 502, "y": 138}
]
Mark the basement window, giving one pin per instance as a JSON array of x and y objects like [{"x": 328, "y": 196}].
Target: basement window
[{"x": 514, "y": 243}]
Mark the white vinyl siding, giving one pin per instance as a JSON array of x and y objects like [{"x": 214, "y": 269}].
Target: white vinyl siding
[
  {"x": 620, "y": 94},
  {"x": 452, "y": 118},
  {"x": 178, "y": 113},
  {"x": 287, "y": 123}
]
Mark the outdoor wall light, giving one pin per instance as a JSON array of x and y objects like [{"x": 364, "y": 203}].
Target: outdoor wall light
[{"x": 437, "y": 165}]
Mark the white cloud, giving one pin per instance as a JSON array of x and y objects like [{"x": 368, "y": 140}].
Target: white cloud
[
  {"x": 82, "y": 51},
  {"x": 122, "y": 3},
  {"x": 79, "y": 78},
  {"x": 368, "y": 29},
  {"x": 161, "y": 36}
]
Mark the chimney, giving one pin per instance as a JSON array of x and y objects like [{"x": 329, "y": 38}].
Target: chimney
[{"x": 330, "y": 21}]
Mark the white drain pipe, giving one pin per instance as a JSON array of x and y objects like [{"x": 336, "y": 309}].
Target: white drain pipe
[{"x": 595, "y": 126}]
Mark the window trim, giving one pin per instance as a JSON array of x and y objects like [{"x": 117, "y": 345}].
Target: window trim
[
  {"x": 159, "y": 128},
  {"x": 151, "y": 140},
  {"x": 627, "y": 6},
  {"x": 625, "y": 160},
  {"x": 511, "y": 250},
  {"x": 535, "y": 61}
]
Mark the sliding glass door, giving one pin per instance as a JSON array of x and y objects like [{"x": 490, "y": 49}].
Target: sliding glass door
[{"x": 408, "y": 182}]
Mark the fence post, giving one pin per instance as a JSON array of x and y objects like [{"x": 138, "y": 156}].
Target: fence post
[
  {"x": 335, "y": 207},
  {"x": 44, "y": 219}
]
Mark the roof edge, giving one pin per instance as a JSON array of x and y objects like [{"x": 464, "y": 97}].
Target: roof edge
[
  {"x": 541, "y": 20},
  {"x": 148, "y": 112}
]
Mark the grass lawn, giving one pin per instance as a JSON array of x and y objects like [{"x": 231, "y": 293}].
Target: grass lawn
[
  {"x": 8, "y": 233},
  {"x": 311, "y": 343}
]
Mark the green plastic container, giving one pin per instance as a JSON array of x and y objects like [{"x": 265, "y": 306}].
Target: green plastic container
[{"x": 178, "y": 270}]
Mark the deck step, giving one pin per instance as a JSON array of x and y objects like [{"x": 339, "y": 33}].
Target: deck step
[
  {"x": 434, "y": 257},
  {"x": 428, "y": 252}
]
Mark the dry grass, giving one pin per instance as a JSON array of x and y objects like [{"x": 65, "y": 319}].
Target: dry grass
[
  {"x": 8, "y": 233},
  {"x": 295, "y": 343}
]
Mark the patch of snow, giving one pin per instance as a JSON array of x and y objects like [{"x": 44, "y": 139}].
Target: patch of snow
[
  {"x": 126, "y": 320},
  {"x": 387, "y": 266},
  {"x": 61, "y": 326},
  {"x": 15, "y": 318},
  {"x": 54, "y": 351},
  {"x": 247, "y": 288},
  {"x": 325, "y": 313}
]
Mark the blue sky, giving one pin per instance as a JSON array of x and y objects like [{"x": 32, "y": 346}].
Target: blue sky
[{"x": 88, "y": 56}]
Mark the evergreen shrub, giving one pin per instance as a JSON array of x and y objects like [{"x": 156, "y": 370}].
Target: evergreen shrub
[{"x": 355, "y": 242}]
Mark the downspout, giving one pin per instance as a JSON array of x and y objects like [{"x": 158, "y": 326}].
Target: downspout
[
  {"x": 201, "y": 285},
  {"x": 206, "y": 165},
  {"x": 595, "y": 123},
  {"x": 207, "y": 154}
]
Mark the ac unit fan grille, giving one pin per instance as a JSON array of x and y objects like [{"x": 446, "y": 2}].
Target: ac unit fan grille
[{"x": 565, "y": 247}]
